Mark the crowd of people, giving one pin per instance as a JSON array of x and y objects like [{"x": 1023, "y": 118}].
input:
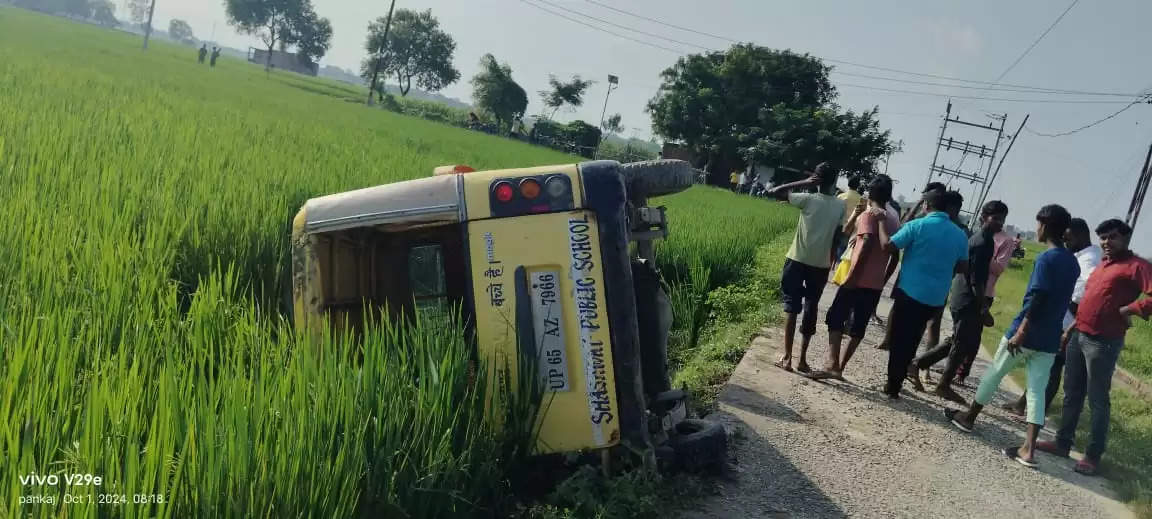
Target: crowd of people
[{"x": 1078, "y": 304}]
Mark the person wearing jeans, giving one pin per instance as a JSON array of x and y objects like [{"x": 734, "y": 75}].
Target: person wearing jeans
[
  {"x": 934, "y": 249},
  {"x": 1102, "y": 320},
  {"x": 1034, "y": 336},
  {"x": 1079, "y": 241},
  {"x": 809, "y": 258},
  {"x": 969, "y": 304}
]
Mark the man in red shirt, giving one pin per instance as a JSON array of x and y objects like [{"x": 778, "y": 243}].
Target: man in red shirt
[{"x": 1102, "y": 319}]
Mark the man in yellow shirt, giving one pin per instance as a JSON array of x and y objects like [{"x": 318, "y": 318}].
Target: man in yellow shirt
[
  {"x": 734, "y": 178},
  {"x": 851, "y": 199}
]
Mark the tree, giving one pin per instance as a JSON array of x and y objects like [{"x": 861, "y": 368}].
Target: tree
[
  {"x": 278, "y": 23},
  {"x": 104, "y": 12},
  {"x": 570, "y": 93},
  {"x": 612, "y": 124},
  {"x": 312, "y": 35},
  {"x": 495, "y": 92},
  {"x": 713, "y": 102},
  {"x": 180, "y": 31},
  {"x": 805, "y": 137},
  {"x": 417, "y": 49},
  {"x": 138, "y": 10}
]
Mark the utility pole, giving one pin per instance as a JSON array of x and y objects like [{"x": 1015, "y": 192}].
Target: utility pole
[
  {"x": 613, "y": 82},
  {"x": 380, "y": 58},
  {"x": 1141, "y": 190},
  {"x": 979, "y": 175},
  {"x": 148, "y": 27},
  {"x": 992, "y": 179},
  {"x": 888, "y": 157}
]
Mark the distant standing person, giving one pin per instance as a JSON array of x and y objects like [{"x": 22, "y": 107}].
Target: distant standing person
[
  {"x": 1111, "y": 299},
  {"x": 810, "y": 256},
  {"x": 201, "y": 54},
  {"x": 215, "y": 56},
  {"x": 1033, "y": 339},
  {"x": 869, "y": 271},
  {"x": 934, "y": 249}
]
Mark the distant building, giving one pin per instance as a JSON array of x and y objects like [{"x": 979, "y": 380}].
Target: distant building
[{"x": 284, "y": 60}]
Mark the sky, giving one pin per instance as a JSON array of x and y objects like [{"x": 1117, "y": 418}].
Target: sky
[{"x": 1097, "y": 47}]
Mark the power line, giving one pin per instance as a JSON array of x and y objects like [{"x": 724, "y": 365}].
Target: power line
[
  {"x": 1146, "y": 98},
  {"x": 666, "y": 24},
  {"x": 991, "y": 88},
  {"x": 625, "y": 27},
  {"x": 1034, "y": 43},
  {"x": 1037, "y": 90},
  {"x": 601, "y": 29},
  {"x": 852, "y": 63},
  {"x": 1014, "y": 100}
]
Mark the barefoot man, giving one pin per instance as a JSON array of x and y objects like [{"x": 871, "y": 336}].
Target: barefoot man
[
  {"x": 1033, "y": 339},
  {"x": 808, "y": 260},
  {"x": 860, "y": 293}
]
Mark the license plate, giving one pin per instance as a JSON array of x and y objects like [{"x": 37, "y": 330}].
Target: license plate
[{"x": 548, "y": 320}]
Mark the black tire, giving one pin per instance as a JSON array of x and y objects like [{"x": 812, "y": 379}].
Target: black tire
[
  {"x": 657, "y": 177},
  {"x": 699, "y": 445},
  {"x": 665, "y": 459}
]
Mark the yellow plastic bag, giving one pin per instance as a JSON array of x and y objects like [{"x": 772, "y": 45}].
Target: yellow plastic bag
[{"x": 844, "y": 265}]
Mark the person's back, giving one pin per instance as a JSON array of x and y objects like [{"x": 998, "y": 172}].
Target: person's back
[
  {"x": 820, "y": 217},
  {"x": 932, "y": 245}
]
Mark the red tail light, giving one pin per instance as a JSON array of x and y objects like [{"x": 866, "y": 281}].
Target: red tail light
[{"x": 504, "y": 192}]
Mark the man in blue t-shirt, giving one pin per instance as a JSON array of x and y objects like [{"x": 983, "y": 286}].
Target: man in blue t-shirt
[
  {"x": 1034, "y": 337},
  {"x": 934, "y": 249}
]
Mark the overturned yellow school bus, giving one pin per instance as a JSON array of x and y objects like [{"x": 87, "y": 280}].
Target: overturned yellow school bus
[{"x": 540, "y": 261}]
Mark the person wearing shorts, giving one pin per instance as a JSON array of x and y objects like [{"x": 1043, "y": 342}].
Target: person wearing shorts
[
  {"x": 810, "y": 256},
  {"x": 860, "y": 293}
]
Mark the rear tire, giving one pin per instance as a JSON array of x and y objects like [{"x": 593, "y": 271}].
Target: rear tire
[
  {"x": 657, "y": 177},
  {"x": 699, "y": 445}
]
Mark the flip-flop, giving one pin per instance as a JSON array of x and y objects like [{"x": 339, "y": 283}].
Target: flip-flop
[
  {"x": 950, "y": 414},
  {"x": 786, "y": 367},
  {"x": 824, "y": 375},
  {"x": 1013, "y": 453}
]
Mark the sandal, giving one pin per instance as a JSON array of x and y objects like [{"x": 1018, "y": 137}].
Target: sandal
[
  {"x": 786, "y": 366},
  {"x": 824, "y": 374},
  {"x": 803, "y": 368},
  {"x": 913, "y": 376},
  {"x": 950, "y": 414},
  {"x": 1087, "y": 467},
  {"x": 1013, "y": 453}
]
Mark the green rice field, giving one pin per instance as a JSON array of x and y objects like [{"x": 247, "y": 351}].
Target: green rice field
[{"x": 146, "y": 207}]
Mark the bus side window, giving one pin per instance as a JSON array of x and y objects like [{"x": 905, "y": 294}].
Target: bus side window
[{"x": 426, "y": 272}]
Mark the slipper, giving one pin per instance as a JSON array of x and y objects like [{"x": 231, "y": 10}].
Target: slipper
[
  {"x": 782, "y": 365},
  {"x": 803, "y": 368},
  {"x": 824, "y": 375},
  {"x": 950, "y": 414},
  {"x": 1013, "y": 453}
]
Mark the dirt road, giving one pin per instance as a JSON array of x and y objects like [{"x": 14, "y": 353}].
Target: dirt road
[{"x": 840, "y": 449}]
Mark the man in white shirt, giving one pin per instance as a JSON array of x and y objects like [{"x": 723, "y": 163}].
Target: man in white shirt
[{"x": 1078, "y": 240}]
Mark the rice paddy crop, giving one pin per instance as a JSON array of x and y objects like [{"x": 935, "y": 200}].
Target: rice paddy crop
[{"x": 143, "y": 254}]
